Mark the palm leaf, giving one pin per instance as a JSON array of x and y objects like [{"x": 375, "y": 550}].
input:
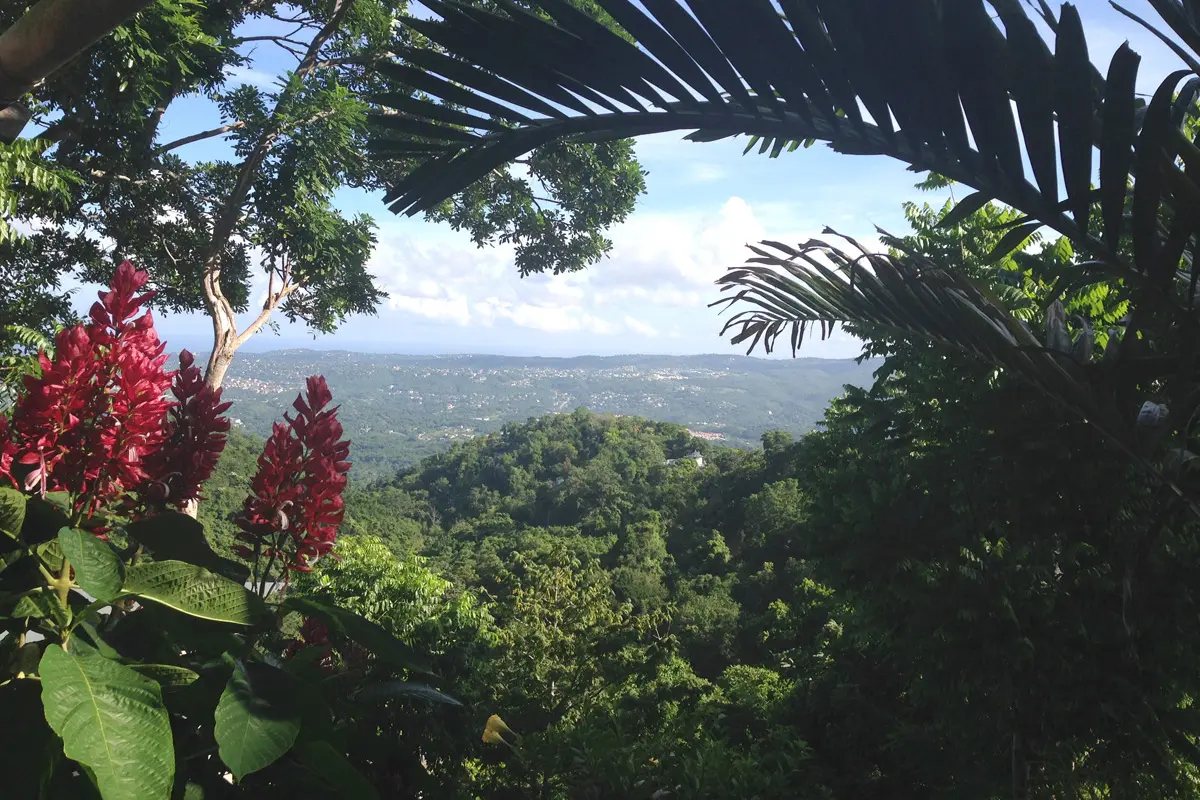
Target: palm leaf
[
  {"x": 800, "y": 71},
  {"x": 790, "y": 291}
]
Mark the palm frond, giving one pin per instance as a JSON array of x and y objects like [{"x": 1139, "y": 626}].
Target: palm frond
[
  {"x": 940, "y": 86},
  {"x": 793, "y": 291}
]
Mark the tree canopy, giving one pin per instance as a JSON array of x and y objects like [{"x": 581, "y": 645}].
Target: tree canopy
[{"x": 262, "y": 211}]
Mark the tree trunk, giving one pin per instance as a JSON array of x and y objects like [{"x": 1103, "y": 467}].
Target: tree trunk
[
  {"x": 225, "y": 345},
  {"x": 48, "y": 36}
]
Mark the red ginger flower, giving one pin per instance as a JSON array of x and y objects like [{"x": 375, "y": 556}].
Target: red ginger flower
[
  {"x": 195, "y": 436},
  {"x": 296, "y": 506},
  {"x": 95, "y": 413},
  {"x": 7, "y": 450}
]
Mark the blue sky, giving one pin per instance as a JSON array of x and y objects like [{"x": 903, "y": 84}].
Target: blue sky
[{"x": 704, "y": 202}]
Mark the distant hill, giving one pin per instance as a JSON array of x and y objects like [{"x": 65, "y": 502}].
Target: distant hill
[{"x": 398, "y": 409}]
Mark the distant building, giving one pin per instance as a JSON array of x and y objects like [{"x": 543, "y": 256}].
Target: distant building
[{"x": 693, "y": 456}]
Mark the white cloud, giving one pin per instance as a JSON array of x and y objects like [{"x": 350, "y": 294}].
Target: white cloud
[
  {"x": 639, "y": 327},
  {"x": 656, "y": 282},
  {"x": 452, "y": 308}
]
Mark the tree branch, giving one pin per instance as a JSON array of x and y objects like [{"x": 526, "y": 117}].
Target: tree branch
[
  {"x": 272, "y": 303},
  {"x": 114, "y": 176},
  {"x": 195, "y": 137},
  {"x": 275, "y": 39},
  {"x": 342, "y": 62}
]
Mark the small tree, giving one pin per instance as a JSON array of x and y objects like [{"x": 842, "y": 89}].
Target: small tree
[{"x": 205, "y": 229}]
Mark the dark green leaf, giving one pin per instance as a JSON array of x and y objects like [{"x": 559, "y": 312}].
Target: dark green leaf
[
  {"x": 1075, "y": 111},
  {"x": 367, "y": 633},
  {"x": 111, "y": 720},
  {"x": 1116, "y": 144},
  {"x": 964, "y": 209},
  {"x": 98, "y": 569},
  {"x": 28, "y": 748},
  {"x": 42, "y": 603},
  {"x": 196, "y": 591},
  {"x": 1012, "y": 240},
  {"x": 329, "y": 765},
  {"x": 1150, "y": 184},
  {"x": 257, "y": 719},
  {"x": 178, "y": 537},
  {"x": 12, "y": 512},
  {"x": 44, "y": 518},
  {"x": 166, "y": 674},
  {"x": 379, "y": 692}
]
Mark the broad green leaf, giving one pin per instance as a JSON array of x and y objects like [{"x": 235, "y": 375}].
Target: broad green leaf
[
  {"x": 112, "y": 721},
  {"x": 332, "y": 767},
  {"x": 256, "y": 720},
  {"x": 367, "y": 633},
  {"x": 378, "y": 692},
  {"x": 50, "y": 553},
  {"x": 166, "y": 674},
  {"x": 194, "y": 590},
  {"x": 12, "y": 512},
  {"x": 42, "y": 603},
  {"x": 98, "y": 568},
  {"x": 84, "y": 629},
  {"x": 178, "y": 537}
]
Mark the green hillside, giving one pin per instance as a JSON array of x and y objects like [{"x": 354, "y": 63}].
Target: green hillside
[
  {"x": 399, "y": 409},
  {"x": 838, "y": 616}
]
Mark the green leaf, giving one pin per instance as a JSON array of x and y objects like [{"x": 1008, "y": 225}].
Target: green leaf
[
  {"x": 964, "y": 209},
  {"x": 1011, "y": 241},
  {"x": 85, "y": 630},
  {"x": 332, "y": 767},
  {"x": 367, "y": 633},
  {"x": 12, "y": 512},
  {"x": 195, "y": 591},
  {"x": 379, "y": 692},
  {"x": 42, "y": 603},
  {"x": 167, "y": 674},
  {"x": 98, "y": 568},
  {"x": 111, "y": 720},
  {"x": 178, "y": 537},
  {"x": 51, "y": 555},
  {"x": 256, "y": 720}
]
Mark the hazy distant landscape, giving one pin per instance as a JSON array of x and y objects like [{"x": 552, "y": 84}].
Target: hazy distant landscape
[{"x": 398, "y": 408}]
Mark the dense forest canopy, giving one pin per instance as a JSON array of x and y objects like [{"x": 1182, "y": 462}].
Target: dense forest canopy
[
  {"x": 974, "y": 580},
  {"x": 952, "y": 589}
]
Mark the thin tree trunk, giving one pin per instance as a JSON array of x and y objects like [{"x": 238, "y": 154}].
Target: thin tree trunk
[
  {"x": 225, "y": 334},
  {"x": 49, "y": 35}
]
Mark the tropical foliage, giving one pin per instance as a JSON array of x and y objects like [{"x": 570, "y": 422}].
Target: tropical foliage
[
  {"x": 986, "y": 99},
  {"x": 135, "y": 660},
  {"x": 287, "y": 90}
]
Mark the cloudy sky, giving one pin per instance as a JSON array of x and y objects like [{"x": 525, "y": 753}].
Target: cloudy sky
[{"x": 704, "y": 202}]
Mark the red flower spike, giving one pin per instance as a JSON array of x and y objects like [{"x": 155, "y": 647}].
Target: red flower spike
[
  {"x": 195, "y": 436},
  {"x": 298, "y": 489},
  {"x": 8, "y": 449},
  {"x": 88, "y": 423}
]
